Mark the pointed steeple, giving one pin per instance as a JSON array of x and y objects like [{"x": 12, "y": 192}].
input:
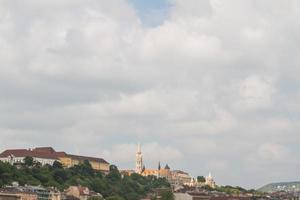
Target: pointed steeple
[
  {"x": 139, "y": 148},
  {"x": 209, "y": 175},
  {"x": 139, "y": 160},
  {"x": 159, "y": 167},
  {"x": 167, "y": 166}
]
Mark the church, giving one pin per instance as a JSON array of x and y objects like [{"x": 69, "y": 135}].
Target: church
[
  {"x": 159, "y": 172},
  {"x": 174, "y": 177}
]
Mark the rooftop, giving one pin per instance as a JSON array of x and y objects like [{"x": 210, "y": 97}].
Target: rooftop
[{"x": 46, "y": 153}]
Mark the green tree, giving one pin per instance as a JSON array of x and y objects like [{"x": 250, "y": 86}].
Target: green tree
[
  {"x": 116, "y": 197},
  {"x": 167, "y": 195},
  {"x": 57, "y": 165},
  {"x": 200, "y": 179},
  {"x": 60, "y": 175},
  {"x": 114, "y": 174},
  {"x": 28, "y": 161},
  {"x": 95, "y": 198}
]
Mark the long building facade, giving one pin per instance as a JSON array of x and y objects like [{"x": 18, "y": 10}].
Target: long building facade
[{"x": 47, "y": 155}]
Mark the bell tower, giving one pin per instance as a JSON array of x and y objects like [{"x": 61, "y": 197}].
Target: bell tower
[{"x": 139, "y": 160}]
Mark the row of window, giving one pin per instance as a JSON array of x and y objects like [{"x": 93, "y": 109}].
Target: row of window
[{"x": 13, "y": 160}]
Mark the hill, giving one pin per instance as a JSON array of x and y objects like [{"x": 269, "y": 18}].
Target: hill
[
  {"x": 286, "y": 186},
  {"x": 112, "y": 185}
]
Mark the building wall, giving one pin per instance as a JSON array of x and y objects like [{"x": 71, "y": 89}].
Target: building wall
[
  {"x": 100, "y": 166},
  {"x": 45, "y": 161},
  {"x": 13, "y": 160},
  {"x": 150, "y": 172},
  {"x": 25, "y": 196},
  {"x": 185, "y": 196},
  {"x": 22, "y": 196},
  {"x": 9, "y": 198},
  {"x": 70, "y": 162},
  {"x": 181, "y": 178},
  {"x": 182, "y": 196},
  {"x": 73, "y": 191},
  {"x": 66, "y": 162}
]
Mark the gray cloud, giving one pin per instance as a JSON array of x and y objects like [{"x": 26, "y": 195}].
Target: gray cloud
[{"x": 215, "y": 85}]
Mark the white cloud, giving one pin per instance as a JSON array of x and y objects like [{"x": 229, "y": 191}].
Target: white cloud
[
  {"x": 221, "y": 73},
  {"x": 273, "y": 152},
  {"x": 256, "y": 92}
]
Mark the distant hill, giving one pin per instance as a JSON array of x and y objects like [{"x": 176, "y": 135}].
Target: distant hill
[{"x": 286, "y": 186}]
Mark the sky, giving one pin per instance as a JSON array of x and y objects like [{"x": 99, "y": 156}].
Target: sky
[{"x": 205, "y": 86}]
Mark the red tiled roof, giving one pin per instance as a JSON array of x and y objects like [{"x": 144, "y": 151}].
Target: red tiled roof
[
  {"x": 27, "y": 152},
  {"x": 46, "y": 152},
  {"x": 44, "y": 149}
]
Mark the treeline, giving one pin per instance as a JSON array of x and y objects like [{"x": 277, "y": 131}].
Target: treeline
[
  {"x": 112, "y": 186},
  {"x": 236, "y": 190}
]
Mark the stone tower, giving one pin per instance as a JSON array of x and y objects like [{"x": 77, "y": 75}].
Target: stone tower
[{"x": 139, "y": 160}]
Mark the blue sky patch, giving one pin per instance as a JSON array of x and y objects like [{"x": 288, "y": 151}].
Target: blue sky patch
[{"x": 151, "y": 12}]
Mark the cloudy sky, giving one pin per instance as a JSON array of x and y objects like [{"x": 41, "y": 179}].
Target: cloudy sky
[{"x": 204, "y": 85}]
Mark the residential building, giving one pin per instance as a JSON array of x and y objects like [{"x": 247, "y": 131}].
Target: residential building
[
  {"x": 181, "y": 177},
  {"x": 191, "y": 196},
  {"x": 30, "y": 193},
  {"x": 18, "y": 196},
  {"x": 81, "y": 193}
]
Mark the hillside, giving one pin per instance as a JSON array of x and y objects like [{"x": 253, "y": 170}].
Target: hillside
[
  {"x": 286, "y": 186},
  {"x": 111, "y": 186}
]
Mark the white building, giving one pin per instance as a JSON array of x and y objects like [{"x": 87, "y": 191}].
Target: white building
[
  {"x": 181, "y": 177},
  {"x": 15, "y": 156}
]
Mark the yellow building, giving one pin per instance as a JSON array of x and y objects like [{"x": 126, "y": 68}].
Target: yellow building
[{"x": 98, "y": 164}]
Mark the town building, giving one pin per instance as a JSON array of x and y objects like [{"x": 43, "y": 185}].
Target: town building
[
  {"x": 81, "y": 193},
  {"x": 47, "y": 155},
  {"x": 17, "y": 196},
  {"x": 30, "y": 193},
  {"x": 181, "y": 177},
  {"x": 191, "y": 196}
]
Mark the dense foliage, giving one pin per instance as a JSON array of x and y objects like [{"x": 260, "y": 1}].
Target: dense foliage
[
  {"x": 165, "y": 195},
  {"x": 235, "y": 190},
  {"x": 201, "y": 179},
  {"x": 112, "y": 186}
]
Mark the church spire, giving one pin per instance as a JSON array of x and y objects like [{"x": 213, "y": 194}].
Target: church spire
[
  {"x": 159, "y": 167},
  {"x": 139, "y": 148},
  {"x": 209, "y": 175},
  {"x": 139, "y": 160}
]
